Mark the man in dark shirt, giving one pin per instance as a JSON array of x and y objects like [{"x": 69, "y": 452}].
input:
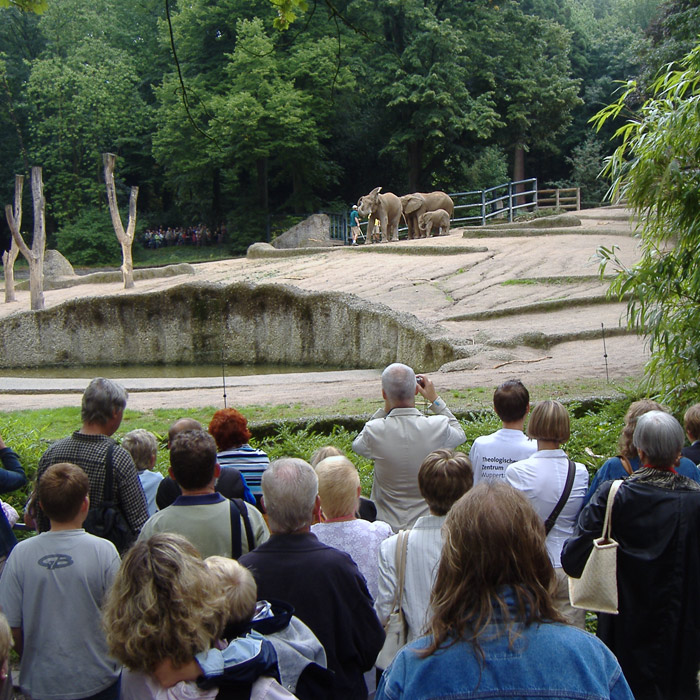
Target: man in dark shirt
[
  {"x": 324, "y": 585},
  {"x": 102, "y": 410}
]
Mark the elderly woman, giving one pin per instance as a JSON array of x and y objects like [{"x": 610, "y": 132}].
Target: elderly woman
[
  {"x": 551, "y": 481},
  {"x": 628, "y": 460},
  {"x": 495, "y": 631},
  {"x": 229, "y": 428},
  {"x": 339, "y": 491},
  {"x": 656, "y": 522}
]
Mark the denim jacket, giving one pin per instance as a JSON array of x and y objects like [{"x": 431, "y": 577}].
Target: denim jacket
[{"x": 548, "y": 660}]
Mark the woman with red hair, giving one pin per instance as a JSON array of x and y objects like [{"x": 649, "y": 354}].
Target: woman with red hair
[{"x": 229, "y": 428}]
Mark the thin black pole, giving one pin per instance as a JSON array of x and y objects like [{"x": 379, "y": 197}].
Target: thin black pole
[
  {"x": 605, "y": 355},
  {"x": 223, "y": 369}
]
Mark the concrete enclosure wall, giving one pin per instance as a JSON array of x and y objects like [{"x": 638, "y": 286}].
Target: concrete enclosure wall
[{"x": 192, "y": 323}]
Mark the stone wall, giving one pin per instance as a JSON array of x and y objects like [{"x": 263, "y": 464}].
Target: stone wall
[{"x": 192, "y": 323}]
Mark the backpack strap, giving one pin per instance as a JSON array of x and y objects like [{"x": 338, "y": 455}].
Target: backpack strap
[
  {"x": 109, "y": 473},
  {"x": 238, "y": 511},
  {"x": 236, "y": 546},
  {"x": 549, "y": 522}
]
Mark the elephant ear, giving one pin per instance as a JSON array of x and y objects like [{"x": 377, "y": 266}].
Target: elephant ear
[
  {"x": 372, "y": 196},
  {"x": 411, "y": 202}
]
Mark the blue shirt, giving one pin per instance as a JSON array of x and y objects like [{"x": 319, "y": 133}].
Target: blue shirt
[
  {"x": 548, "y": 660},
  {"x": 613, "y": 469},
  {"x": 354, "y": 218}
]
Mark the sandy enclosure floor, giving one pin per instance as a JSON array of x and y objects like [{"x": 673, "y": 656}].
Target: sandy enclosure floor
[{"x": 522, "y": 274}]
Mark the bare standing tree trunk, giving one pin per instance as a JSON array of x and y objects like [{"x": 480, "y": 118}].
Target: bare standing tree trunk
[
  {"x": 35, "y": 256},
  {"x": 125, "y": 238},
  {"x": 9, "y": 256}
]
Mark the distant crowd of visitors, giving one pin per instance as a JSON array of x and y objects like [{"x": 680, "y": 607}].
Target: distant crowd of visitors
[
  {"x": 199, "y": 235},
  {"x": 237, "y": 577}
]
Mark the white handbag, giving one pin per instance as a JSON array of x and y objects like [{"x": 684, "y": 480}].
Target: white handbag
[
  {"x": 396, "y": 629},
  {"x": 597, "y": 588}
]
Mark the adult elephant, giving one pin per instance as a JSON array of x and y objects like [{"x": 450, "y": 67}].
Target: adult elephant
[
  {"x": 384, "y": 206},
  {"x": 413, "y": 205}
]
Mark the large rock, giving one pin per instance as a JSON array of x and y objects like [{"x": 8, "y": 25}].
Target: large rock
[
  {"x": 240, "y": 323},
  {"x": 313, "y": 232},
  {"x": 56, "y": 265}
]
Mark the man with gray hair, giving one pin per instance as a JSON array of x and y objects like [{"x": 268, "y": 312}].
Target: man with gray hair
[
  {"x": 92, "y": 447},
  {"x": 323, "y": 584},
  {"x": 398, "y": 438}
]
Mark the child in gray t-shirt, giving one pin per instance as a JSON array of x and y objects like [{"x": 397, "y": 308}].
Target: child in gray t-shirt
[{"x": 52, "y": 590}]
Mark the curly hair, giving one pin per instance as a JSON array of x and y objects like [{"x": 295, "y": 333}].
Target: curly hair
[
  {"x": 229, "y": 428},
  {"x": 636, "y": 409},
  {"x": 164, "y": 604},
  {"x": 494, "y": 542}
]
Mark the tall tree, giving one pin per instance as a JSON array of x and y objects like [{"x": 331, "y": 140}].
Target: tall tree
[
  {"x": 82, "y": 105},
  {"x": 656, "y": 170}
]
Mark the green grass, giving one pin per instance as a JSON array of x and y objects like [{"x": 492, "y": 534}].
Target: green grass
[{"x": 594, "y": 431}]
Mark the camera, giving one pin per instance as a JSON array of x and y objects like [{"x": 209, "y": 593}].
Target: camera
[{"x": 421, "y": 381}]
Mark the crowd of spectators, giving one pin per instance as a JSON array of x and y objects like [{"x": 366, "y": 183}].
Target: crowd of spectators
[
  {"x": 237, "y": 577},
  {"x": 199, "y": 235}
]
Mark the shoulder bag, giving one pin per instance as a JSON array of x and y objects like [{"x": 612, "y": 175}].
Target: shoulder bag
[
  {"x": 597, "y": 588},
  {"x": 395, "y": 628},
  {"x": 107, "y": 520}
]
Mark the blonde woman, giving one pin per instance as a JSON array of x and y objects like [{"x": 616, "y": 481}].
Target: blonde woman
[
  {"x": 544, "y": 479},
  {"x": 339, "y": 490}
]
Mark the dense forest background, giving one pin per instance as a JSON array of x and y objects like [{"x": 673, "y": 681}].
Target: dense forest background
[{"x": 406, "y": 94}]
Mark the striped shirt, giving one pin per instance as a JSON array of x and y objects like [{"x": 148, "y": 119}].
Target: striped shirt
[{"x": 251, "y": 463}]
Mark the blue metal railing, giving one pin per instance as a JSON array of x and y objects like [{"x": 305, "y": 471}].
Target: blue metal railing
[{"x": 477, "y": 206}]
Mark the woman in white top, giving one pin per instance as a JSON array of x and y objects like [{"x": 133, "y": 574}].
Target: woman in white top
[
  {"x": 542, "y": 478},
  {"x": 339, "y": 491}
]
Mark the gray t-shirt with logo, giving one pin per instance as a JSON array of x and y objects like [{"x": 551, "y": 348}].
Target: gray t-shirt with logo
[{"x": 53, "y": 587}]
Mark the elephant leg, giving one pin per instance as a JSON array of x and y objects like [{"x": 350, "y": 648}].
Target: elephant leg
[
  {"x": 384, "y": 222},
  {"x": 395, "y": 230}
]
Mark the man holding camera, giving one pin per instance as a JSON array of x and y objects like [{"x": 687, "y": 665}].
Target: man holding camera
[{"x": 398, "y": 438}]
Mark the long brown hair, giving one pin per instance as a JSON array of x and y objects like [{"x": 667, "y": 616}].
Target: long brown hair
[
  {"x": 636, "y": 409},
  {"x": 494, "y": 547}
]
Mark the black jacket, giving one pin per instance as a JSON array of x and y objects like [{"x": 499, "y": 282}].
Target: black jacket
[
  {"x": 329, "y": 594},
  {"x": 656, "y": 636}
]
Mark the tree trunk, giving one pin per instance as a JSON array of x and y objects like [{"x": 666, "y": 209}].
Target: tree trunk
[
  {"x": 261, "y": 165},
  {"x": 125, "y": 238},
  {"x": 35, "y": 256},
  {"x": 519, "y": 171},
  {"x": 9, "y": 256},
  {"x": 414, "y": 153}
]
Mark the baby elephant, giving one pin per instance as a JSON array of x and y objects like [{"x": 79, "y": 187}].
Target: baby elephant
[{"x": 438, "y": 218}]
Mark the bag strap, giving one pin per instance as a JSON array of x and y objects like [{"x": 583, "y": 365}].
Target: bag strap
[
  {"x": 242, "y": 512},
  {"x": 549, "y": 522},
  {"x": 400, "y": 559},
  {"x": 626, "y": 464},
  {"x": 236, "y": 546},
  {"x": 108, "y": 495},
  {"x": 607, "y": 523}
]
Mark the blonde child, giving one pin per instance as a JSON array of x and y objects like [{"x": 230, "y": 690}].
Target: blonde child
[
  {"x": 164, "y": 614},
  {"x": 6, "y": 644},
  {"x": 143, "y": 448},
  {"x": 300, "y": 658}
]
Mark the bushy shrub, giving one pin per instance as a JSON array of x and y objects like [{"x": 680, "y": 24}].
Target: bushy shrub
[{"x": 90, "y": 239}]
